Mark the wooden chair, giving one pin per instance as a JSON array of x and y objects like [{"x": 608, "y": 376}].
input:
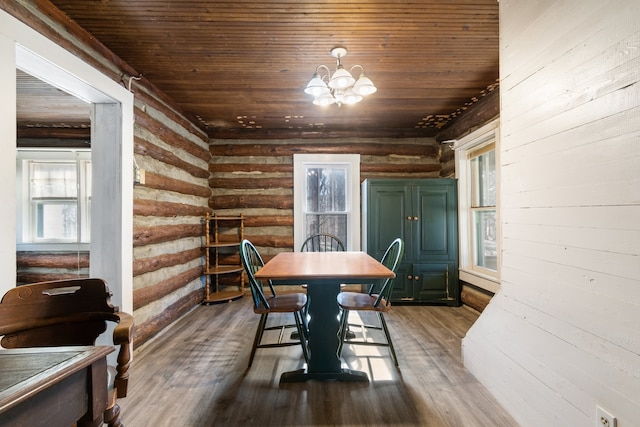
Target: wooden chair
[
  {"x": 69, "y": 313},
  {"x": 322, "y": 243},
  {"x": 370, "y": 301},
  {"x": 272, "y": 303}
]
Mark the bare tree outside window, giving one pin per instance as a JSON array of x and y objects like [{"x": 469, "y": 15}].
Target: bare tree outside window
[{"x": 326, "y": 201}]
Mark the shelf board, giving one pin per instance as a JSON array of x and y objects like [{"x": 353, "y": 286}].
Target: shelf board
[
  {"x": 225, "y": 218},
  {"x": 223, "y": 296},
  {"x": 224, "y": 269},
  {"x": 222, "y": 245}
]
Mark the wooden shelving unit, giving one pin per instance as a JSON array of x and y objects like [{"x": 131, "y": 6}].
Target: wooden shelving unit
[{"x": 224, "y": 278}]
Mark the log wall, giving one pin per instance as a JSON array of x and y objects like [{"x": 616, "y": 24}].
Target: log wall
[
  {"x": 33, "y": 267},
  {"x": 173, "y": 150},
  {"x": 255, "y": 178}
]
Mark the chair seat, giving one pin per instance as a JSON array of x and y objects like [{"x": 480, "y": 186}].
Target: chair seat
[
  {"x": 286, "y": 303},
  {"x": 361, "y": 301}
]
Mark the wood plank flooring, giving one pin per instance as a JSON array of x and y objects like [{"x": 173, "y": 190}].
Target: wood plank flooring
[{"x": 194, "y": 374}]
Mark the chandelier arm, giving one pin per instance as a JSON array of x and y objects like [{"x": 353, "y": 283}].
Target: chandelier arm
[
  {"x": 359, "y": 66},
  {"x": 325, "y": 68}
]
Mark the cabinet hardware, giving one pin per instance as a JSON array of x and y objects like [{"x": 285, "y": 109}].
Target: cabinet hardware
[
  {"x": 409, "y": 277},
  {"x": 406, "y": 299},
  {"x": 415, "y": 218},
  {"x": 409, "y": 218}
]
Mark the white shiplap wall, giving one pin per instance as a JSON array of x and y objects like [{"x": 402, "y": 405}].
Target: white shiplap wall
[{"x": 563, "y": 334}]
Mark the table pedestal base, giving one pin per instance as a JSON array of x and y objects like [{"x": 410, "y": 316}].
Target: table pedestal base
[{"x": 302, "y": 375}]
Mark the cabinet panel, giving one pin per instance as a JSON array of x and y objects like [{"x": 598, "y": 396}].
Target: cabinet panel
[
  {"x": 435, "y": 283},
  {"x": 437, "y": 238},
  {"x": 390, "y": 203},
  {"x": 403, "y": 283}
]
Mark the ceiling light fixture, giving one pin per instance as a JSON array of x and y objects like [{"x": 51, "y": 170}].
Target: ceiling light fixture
[{"x": 340, "y": 87}]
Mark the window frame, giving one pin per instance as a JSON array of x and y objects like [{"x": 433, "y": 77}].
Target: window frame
[
  {"x": 467, "y": 148},
  {"x": 25, "y": 215},
  {"x": 352, "y": 164}
]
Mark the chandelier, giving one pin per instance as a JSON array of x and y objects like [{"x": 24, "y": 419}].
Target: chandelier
[{"x": 340, "y": 87}]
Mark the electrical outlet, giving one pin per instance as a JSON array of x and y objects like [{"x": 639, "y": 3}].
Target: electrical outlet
[
  {"x": 141, "y": 177},
  {"x": 604, "y": 418}
]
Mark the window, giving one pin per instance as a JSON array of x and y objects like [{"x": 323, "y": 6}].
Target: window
[
  {"x": 54, "y": 197},
  {"x": 477, "y": 169},
  {"x": 327, "y": 197},
  {"x": 483, "y": 207}
]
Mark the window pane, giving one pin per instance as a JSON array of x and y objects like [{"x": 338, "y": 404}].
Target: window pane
[
  {"x": 485, "y": 239},
  {"x": 56, "y": 221},
  {"x": 483, "y": 169},
  {"x": 329, "y": 224},
  {"x": 326, "y": 191},
  {"x": 53, "y": 180}
]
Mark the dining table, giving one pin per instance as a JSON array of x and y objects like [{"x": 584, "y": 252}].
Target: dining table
[
  {"x": 53, "y": 386},
  {"x": 323, "y": 273}
]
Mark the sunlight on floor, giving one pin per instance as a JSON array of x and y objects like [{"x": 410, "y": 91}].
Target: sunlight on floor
[{"x": 375, "y": 361}]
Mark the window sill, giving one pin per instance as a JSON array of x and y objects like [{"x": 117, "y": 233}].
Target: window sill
[
  {"x": 53, "y": 247},
  {"x": 483, "y": 281}
]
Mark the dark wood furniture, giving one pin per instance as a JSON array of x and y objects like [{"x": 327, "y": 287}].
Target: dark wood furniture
[
  {"x": 223, "y": 269},
  {"x": 69, "y": 313},
  {"x": 323, "y": 272},
  {"x": 263, "y": 305},
  {"x": 424, "y": 213},
  {"x": 53, "y": 386}
]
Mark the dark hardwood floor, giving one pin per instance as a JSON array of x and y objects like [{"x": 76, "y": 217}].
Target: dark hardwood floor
[{"x": 194, "y": 374}]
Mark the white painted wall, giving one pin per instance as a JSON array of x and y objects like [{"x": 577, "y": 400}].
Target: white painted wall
[
  {"x": 23, "y": 47},
  {"x": 563, "y": 334},
  {"x": 7, "y": 164}
]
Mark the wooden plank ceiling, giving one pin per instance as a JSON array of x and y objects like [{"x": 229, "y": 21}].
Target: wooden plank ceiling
[{"x": 241, "y": 67}]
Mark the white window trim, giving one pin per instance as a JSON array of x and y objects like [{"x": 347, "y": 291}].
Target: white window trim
[
  {"x": 23, "y": 217},
  {"x": 112, "y": 205},
  {"x": 477, "y": 276},
  {"x": 353, "y": 162}
]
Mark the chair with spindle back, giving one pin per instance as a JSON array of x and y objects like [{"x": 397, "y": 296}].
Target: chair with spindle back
[
  {"x": 264, "y": 305},
  {"x": 371, "y": 301},
  {"x": 322, "y": 242},
  {"x": 69, "y": 313}
]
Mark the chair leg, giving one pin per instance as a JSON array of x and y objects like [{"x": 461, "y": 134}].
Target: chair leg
[
  {"x": 386, "y": 333},
  {"x": 302, "y": 334},
  {"x": 258, "y": 338},
  {"x": 304, "y": 315},
  {"x": 112, "y": 416},
  {"x": 344, "y": 328}
]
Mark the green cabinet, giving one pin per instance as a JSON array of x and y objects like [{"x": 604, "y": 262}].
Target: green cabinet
[{"x": 424, "y": 213}]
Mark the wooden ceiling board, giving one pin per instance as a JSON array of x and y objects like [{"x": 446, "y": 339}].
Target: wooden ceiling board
[
  {"x": 39, "y": 104},
  {"x": 222, "y": 61}
]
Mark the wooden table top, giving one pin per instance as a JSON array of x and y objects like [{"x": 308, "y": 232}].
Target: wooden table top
[
  {"x": 323, "y": 265},
  {"x": 25, "y": 372}
]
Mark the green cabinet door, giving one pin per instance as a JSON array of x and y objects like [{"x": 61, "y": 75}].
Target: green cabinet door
[
  {"x": 389, "y": 206},
  {"x": 435, "y": 212},
  {"x": 436, "y": 283}
]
